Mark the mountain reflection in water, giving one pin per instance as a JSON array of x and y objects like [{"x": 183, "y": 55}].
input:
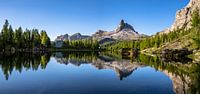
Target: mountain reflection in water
[
  {"x": 185, "y": 76},
  {"x": 123, "y": 68}
]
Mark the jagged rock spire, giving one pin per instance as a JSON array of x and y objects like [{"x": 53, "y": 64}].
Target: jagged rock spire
[
  {"x": 124, "y": 25},
  {"x": 121, "y": 25},
  {"x": 122, "y": 22}
]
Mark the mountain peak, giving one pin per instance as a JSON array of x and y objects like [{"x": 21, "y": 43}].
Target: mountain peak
[
  {"x": 123, "y": 32},
  {"x": 122, "y": 23},
  {"x": 77, "y": 34},
  {"x": 62, "y": 37},
  {"x": 123, "y": 26}
]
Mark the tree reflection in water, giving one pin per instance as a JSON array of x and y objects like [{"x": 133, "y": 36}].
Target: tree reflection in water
[
  {"x": 20, "y": 61},
  {"x": 185, "y": 76}
]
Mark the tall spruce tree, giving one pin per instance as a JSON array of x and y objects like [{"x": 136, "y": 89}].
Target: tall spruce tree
[
  {"x": 5, "y": 33},
  {"x": 195, "y": 23}
]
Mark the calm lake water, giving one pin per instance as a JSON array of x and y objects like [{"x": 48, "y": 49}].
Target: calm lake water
[{"x": 95, "y": 73}]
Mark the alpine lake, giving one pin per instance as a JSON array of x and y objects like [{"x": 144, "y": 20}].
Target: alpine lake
[{"x": 96, "y": 73}]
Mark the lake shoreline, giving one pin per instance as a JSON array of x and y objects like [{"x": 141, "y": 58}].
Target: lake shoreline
[{"x": 47, "y": 50}]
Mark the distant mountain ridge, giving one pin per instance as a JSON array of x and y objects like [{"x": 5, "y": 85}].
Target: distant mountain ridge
[
  {"x": 62, "y": 37},
  {"x": 123, "y": 32},
  {"x": 76, "y": 36}
]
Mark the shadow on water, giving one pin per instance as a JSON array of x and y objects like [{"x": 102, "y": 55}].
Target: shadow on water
[{"x": 185, "y": 76}]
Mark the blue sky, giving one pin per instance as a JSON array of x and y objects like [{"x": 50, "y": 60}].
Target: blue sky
[{"x": 87, "y": 16}]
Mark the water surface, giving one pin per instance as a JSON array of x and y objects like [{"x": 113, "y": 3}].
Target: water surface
[{"x": 90, "y": 73}]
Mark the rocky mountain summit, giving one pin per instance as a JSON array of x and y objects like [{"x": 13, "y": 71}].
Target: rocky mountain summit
[
  {"x": 62, "y": 37},
  {"x": 76, "y": 36},
  {"x": 123, "y": 32},
  {"x": 183, "y": 16}
]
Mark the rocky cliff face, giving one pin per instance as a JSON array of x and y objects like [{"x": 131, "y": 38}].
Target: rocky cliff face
[
  {"x": 123, "y": 32},
  {"x": 62, "y": 37},
  {"x": 76, "y": 36},
  {"x": 183, "y": 16},
  {"x": 123, "y": 26}
]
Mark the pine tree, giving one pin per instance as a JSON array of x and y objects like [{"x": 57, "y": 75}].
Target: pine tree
[
  {"x": 196, "y": 25},
  {"x": 66, "y": 43},
  {"x": 35, "y": 38},
  {"x": 11, "y": 34},
  {"x": 45, "y": 40},
  {"x": 5, "y": 34},
  {"x": 18, "y": 38},
  {"x": 195, "y": 19},
  {"x": 27, "y": 38}
]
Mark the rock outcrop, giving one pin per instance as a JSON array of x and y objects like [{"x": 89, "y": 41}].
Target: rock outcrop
[
  {"x": 123, "y": 32},
  {"x": 183, "y": 16},
  {"x": 60, "y": 39},
  {"x": 76, "y": 36}
]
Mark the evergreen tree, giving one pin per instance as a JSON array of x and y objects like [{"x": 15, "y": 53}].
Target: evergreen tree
[
  {"x": 27, "y": 38},
  {"x": 10, "y": 37},
  {"x": 195, "y": 19},
  {"x": 18, "y": 38},
  {"x": 196, "y": 26},
  {"x": 66, "y": 43},
  {"x": 35, "y": 38},
  {"x": 45, "y": 40},
  {"x": 5, "y": 34}
]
